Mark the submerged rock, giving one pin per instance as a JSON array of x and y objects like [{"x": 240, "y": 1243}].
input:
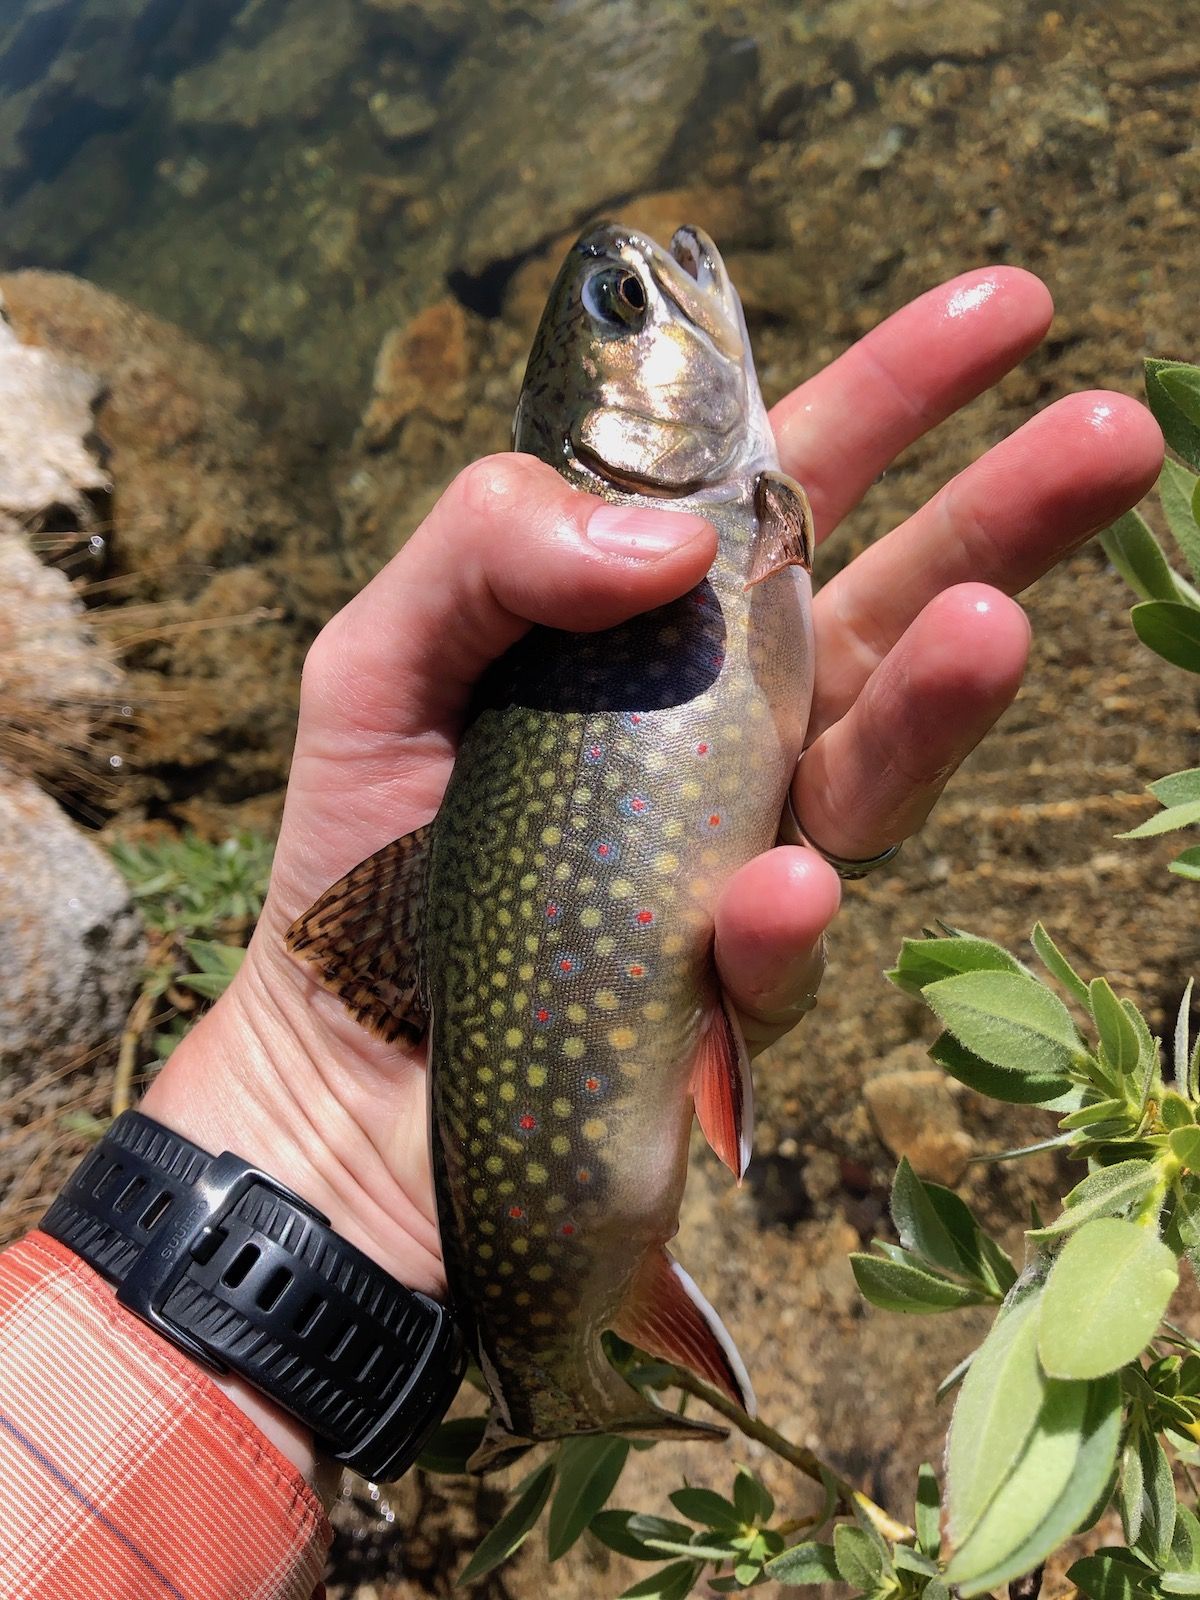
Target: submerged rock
[
  {"x": 915, "y": 1113},
  {"x": 71, "y": 940}
]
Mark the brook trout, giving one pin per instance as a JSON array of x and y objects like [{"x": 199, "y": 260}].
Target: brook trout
[{"x": 552, "y": 928}]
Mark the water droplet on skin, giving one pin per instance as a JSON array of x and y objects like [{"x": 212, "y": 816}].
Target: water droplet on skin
[{"x": 115, "y": 762}]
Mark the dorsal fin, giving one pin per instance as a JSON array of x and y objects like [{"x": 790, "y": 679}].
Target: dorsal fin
[
  {"x": 363, "y": 938},
  {"x": 786, "y": 536}
]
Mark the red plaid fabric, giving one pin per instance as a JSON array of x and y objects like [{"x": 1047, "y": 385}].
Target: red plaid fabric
[{"x": 125, "y": 1473}]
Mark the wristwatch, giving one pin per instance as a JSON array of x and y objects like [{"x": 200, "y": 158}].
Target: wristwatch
[{"x": 246, "y": 1277}]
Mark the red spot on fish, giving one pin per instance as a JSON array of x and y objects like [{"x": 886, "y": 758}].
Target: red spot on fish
[
  {"x": 516, "y": 1213},
  {"x": 551, "y": 909},
  {"x": 583, "y": 1175},
  {"x": 568, "y": 1228},
  {"x": 645, "y": 918},
  {"x": 636, "y": 970},
  {"x": 637, "y": 804},
  {"x": 701, "y": 749},
  {"x": 592, "y": 1085},
  {"x": 634, "y": 718},
  {"x": 528, "y": 1123},
  {"x": 714, "y": 820},
  {"x": 603, "y": 850},
  {"x": 565, "y": 964},
  {"x": 543, "y": 1015},
  {"x": 596, "y": 752}
]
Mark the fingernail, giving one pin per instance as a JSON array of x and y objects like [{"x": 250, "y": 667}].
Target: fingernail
[{"x": 642, "y": 531}]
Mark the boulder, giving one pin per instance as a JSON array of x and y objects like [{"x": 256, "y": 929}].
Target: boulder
[
  {"x": 71, "y": 941},
  {"x": 916, "y": 1115}
]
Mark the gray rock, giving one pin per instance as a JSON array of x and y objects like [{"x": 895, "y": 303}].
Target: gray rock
[{"x": 71, "y": 940}]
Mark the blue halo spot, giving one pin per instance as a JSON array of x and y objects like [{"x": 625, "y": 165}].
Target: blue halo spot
[
  {"x": 594, "y": 753},
  {"x": 635, "y": 805},
  {"x": 607, "y": 852}
]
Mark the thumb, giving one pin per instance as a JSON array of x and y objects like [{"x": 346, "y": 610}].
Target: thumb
[{"x": 508, "y": 545}]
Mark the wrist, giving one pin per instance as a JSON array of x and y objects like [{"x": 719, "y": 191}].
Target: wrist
[{"x": 288, "y": 1094}]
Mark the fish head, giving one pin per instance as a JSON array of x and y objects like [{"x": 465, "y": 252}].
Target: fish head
[{"x": 641, "y": 376}]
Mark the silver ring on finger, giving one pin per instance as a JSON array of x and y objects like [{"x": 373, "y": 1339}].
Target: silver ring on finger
[{"x": 846, "y": 867}]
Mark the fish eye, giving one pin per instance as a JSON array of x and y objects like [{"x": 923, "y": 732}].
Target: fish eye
[{"x": 615, "y": 297}]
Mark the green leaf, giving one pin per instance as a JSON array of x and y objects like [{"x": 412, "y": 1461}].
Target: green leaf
[
  {"x": 1059, "y": 967},
  {"x": 1185, "y": 1542},
  {"x": 1137, "y": 555},
  {"x": 753, "y": 1500},
  {"x": 1104, "y": 1193},
  {"x": 1181, "y": 381},
  {"x": 1158, "y": 1491},
  {"x": 696, "y": 1548},
  {"x": 1179, "y": 1582},
  {"x": 1131, "y": 1489},
  {"x": 804, "y": 1563},
  {"x": 707, "y": 1507},
  {"x": 1095, "y": 1112},
  {"x": 924, "y": 961},
  {"x": 909, "y": 1560},
  {"x": 513, "y": 1528},
  {"x": 1185, "y": 1146},
  {"x": 588, "y": 1469},
  {"x": 1065, "y": 1469},
  {"x": 857, "y": 1556},
  {"x": 1165, "y": 821},
  {"x": 928, "y": 1512},
  {"x": 1178, "y": 429},
  {"x": 1187, "y": 865},
  {"x": 1009, "y": 1019},
  {"x": 1174, "y": 1110},
  {"x": 998, "y": 1083},
  {"x": 936, "y": 1223},
  {"x": 1177, "y": 788},
  {"x": 1104, "y": 1298},
  {"x": 1172, "y": 630},
  {"x": 1177, "y": 491},
  {"x": 998, "y": 1408},
  {"x": 1111, "y": 1575},
  {"x": 626, "y": 1532},
  {"x": 896, "y": 1286},
  {"x": 452, "y": 1444},
  {"x": 671, "y": 1583},
  {"x": 1182, "y": 1042},
  {"x": 1117, "y": 1038}
]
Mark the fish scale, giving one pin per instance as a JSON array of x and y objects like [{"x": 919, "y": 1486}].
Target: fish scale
[{"x": 606, "y": 787}]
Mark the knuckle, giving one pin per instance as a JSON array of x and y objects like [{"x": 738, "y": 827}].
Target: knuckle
[
  {"x": 491, "y": 487},
  {"x": 320, "y": 667}
]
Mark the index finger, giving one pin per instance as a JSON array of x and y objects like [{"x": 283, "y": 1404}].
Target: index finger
[{"x": 838, "y": 431}]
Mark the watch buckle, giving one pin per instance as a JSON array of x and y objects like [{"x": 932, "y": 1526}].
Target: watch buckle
[{"x": 178, "y": 1238}]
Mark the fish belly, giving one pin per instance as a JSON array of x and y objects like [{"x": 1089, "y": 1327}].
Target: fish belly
[{"x": 595, "y": 812}]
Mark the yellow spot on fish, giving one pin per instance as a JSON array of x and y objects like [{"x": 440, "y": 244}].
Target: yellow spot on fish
[
  {"x": 479, "y": 1196},
  {"x": 535, "y": 1077},
  {"x": 551, "y": 836},
  {"x": 522, "y": 1298},
  {"x": 583, "y": 797},
  {"x": 506, "y": 1188},
  {"x": 536, "y": 1172},
  {"x": 487, "y": 1227},
  {"x": 500, "y": 980},
  {"x": 594, "y": 1129},
  {"x": 529, "y": 881},
  {"x": 606, "y": 1000},
  {"x": 508, "y": 1091},
  {"x": 556, "y": 1203},
  {"x": 541, "y": 1319},
  {"x": 525, "y": 971},
  {"x": 611, "y": 780},
  {"x": 546, "y": 778},
  {"x": 622, "y": 1038},
  {"x": 673, "y": 944},
  {"x": 519, "y": 1246},
  {"x": 573, "y": 1049},
  {"x": 505, "y": 1269},
  {"x": 576, "y": 1013},
  {"x": 507, "y": 1142},
  {"x": 586, "y": 885},
  {"x": 485, "y": 1074},
  {"x": 561, "y": 1107},
  {"x": 655, "y": 1011},
  {"x": 666, "y": 861},
  {"x": 508, "y": 1065},
  {"x": 513, "y": 1038},
  {"x": 620, "y": 888},
  {"x": 493, "y": 1291},
  {"x": 484, "y": 1251},
  {"x": 562, "y": 872},
  {"x": 480, "y": 1041},
  {"x": 605, "y": 944},
  {"x": 494, "y": 1165},
  {"x": 560, "y": 1144},
  {"x": 590, "y": 917},
  {"x": 532, "y": 943},
  {"x": 504, "y": 957},
  {"x": 539, "y": 1272},
  {"x": 690, "y": 790},
  {"x": 497, "y": 1008},
  {"x": 672, "y": 828}
]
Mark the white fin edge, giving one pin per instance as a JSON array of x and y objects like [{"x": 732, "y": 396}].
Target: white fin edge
[
  {"x": 720, "y": 1333},
  {"x": 746, "y": 1143}
]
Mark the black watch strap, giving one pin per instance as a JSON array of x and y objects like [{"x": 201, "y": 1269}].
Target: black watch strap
[{"x": 247, "y": 1277}]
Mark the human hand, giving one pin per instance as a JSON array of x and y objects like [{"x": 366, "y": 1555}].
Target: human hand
[{"x": 919, "y": 649}]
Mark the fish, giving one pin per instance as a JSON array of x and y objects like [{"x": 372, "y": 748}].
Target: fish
[{"x": 551, "y": 930}]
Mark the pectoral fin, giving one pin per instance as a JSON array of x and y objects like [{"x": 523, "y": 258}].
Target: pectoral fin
[
  {"x": 723, "y": 1090},
  {"x": 667, "y": 1316},
  {"x": 786, "y": 536},
  {"x": 363, "y": 938}
]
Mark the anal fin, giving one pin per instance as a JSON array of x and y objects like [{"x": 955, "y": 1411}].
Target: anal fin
[
  {"x": 786, "y": 535},
  {"x": 666, "y": 1315},
  {"x": 363, "y": 938},
  {"x": 723, "y": 1090}
]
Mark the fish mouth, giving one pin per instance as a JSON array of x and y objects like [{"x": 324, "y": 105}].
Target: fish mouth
[{"x": 693, "y": 276}]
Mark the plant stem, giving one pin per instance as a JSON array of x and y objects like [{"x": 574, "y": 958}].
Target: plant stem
[{"x": 795, "y": 1455}]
